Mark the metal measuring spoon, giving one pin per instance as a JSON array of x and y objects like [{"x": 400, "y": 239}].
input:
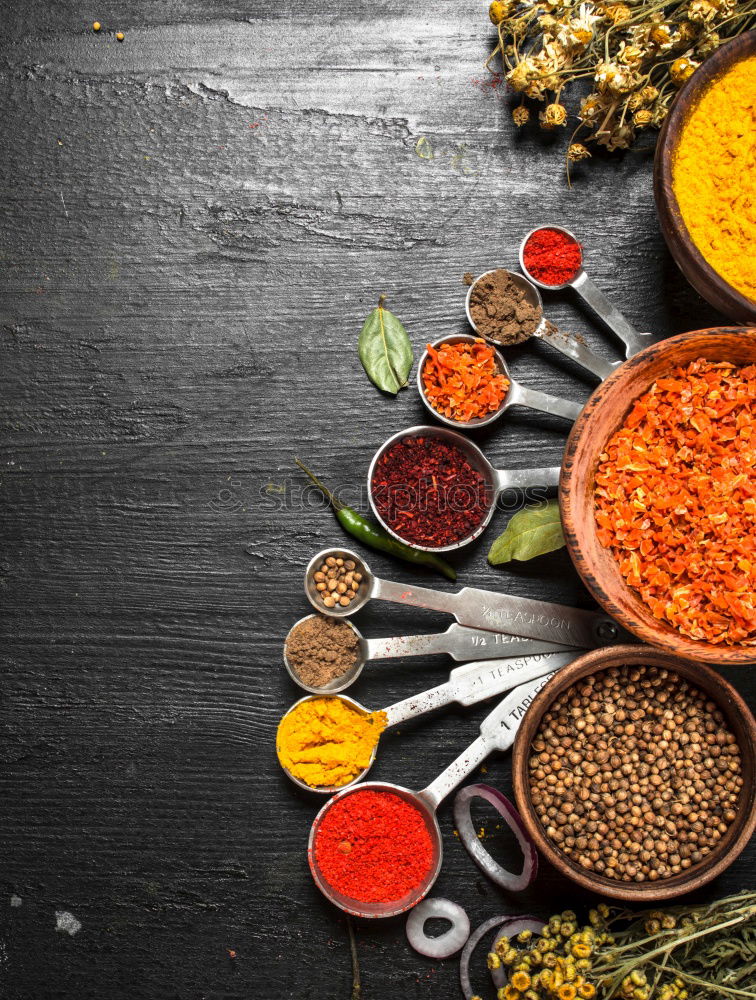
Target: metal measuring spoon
[
  {"x": 485, "y": 609},
  {"x": 497, "y": 732},
  {"x": 495, "y": 480},
  {"x": 565, "y": 343},
  {"x": 592, "y": 295},
  {"x": 459, "y": 641},
  {"x": 468, "y": 684},
  {"x": 517, "y": 394}
]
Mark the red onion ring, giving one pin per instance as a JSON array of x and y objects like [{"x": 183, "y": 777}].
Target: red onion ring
[
  {"x": 511, "y": 930},
  {"x": 469, "y": 948},
  {"x": 445, "y": 944},
  {"x": 476, "y": 850}
]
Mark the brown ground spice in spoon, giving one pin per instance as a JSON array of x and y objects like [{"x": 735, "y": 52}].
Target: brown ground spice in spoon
[
  {"x": 320, "y": 649},
  {"x": 501, "y": 311}
]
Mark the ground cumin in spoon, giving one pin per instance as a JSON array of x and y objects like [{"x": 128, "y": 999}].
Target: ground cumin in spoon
[
  {"x": 501, "y": 311},
  {"x": 321, "y": 649}
]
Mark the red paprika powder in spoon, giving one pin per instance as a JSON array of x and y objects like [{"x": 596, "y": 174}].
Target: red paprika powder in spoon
[
  {"x": 552, "y": 256},
  {"x": 373, "y": 846}
]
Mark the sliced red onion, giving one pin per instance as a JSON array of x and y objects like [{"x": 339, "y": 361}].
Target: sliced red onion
[
  {"x": 510, "y": 930},
  {"x": 476, "y": 850},
  {"x": 445, "y": 944},
  {"x": 469, "y": 948}
]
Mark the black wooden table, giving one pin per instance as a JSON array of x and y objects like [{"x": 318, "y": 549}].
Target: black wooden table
[{"x": 195, "y": 222}]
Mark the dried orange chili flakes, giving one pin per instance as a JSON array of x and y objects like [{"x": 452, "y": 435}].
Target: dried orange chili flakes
[
  {"x": 462, "y": 381},
  {"x": 675, "y": 500}
]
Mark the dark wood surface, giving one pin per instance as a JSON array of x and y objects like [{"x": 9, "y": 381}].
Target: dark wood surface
[{"x": 194, "y": 224}]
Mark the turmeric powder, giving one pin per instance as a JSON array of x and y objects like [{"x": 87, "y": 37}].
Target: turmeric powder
[
  {"x": 326, "y": 742},
  {"x": 713, "y": 171}
]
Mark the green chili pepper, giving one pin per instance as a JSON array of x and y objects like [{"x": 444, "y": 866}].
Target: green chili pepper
[{"x": 375, "y": 536}]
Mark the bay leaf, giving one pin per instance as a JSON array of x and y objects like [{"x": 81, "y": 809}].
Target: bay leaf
[
  {"x": 531, "y": 532},
  {"x": 385, "y": 350}
]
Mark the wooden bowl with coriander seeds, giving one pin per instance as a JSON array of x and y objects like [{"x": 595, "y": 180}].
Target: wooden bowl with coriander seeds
[
  {"x": 602, "y": 417},
  {"x": 578, "y": 754},
  {"x": 689, "y": 257}
]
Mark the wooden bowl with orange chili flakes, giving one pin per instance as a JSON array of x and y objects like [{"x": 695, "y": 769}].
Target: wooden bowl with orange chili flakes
[{"x": 658, "y": 495}]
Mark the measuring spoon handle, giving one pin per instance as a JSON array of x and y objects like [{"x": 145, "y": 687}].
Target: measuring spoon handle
[
  {"x": 570, "y": 346},
  {"x": 486, "y": 609},
  {"x": 526, "y": 479},
  {"x": 497, "y": 732},
  {"x": 460, "y": 642},
  {"x": 592, "y": 295},
  {"x": 535, "y": 619},
  {"x": 520, "y": 395},
  {"x": 477, "y": 681}
]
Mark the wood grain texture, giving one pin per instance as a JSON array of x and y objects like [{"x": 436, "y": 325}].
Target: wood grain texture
[{"x": 195, "y": 223}]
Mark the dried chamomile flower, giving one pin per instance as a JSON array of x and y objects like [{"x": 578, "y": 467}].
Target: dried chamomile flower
[
  {"x": 617, "y": 13},
  {"x": 661, "y": 37},
  {"x": 613, "y": 79},
  {"x": 630, "y": 55},
  {"x": 577, "y": 152},
  {"x": 592, "y": 108},
  {"x": 637, "y": 53},
  {"x": 620, "y": 137},
  {"x": 708, "y": 44},
  {"x": 521, "y": 115},
  {"x": 681, "y": 70},
  {"x": 643, "y": 118},
  {"x": 553, "y": 116},
  {"x": 701, "y": 12},
  {"x": 498, "y": 11}
]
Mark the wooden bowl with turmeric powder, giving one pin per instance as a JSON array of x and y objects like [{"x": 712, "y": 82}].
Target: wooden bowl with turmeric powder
[
  {"x": 703, "y": 179},
  {"x": 657, "y": 495}
]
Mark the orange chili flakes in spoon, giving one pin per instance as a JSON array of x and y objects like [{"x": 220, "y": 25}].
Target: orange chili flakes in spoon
[
  {"x": 462, "y": 380},
  {"x": 675, "y": 500}
]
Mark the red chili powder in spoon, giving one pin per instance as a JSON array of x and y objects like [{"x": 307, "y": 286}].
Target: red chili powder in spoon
[
  {"x": 373, "y": 846},
  {"x": 552, "y": 256}
]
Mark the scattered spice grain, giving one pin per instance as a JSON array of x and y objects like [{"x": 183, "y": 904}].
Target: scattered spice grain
[
  {"x": 500, "y": 309},
  {"x": 373, "y": 846},
  {"x": 634, "y": 774},
  {"x": 675, "y": 500},
  {"x": 321, "y": 649}
]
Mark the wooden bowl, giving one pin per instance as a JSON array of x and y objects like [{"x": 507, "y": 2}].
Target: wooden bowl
[
  {"x": 741, "y": 723},
  {"x": 603, "y": 414},
  {"x": 688, "y": 257}
]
